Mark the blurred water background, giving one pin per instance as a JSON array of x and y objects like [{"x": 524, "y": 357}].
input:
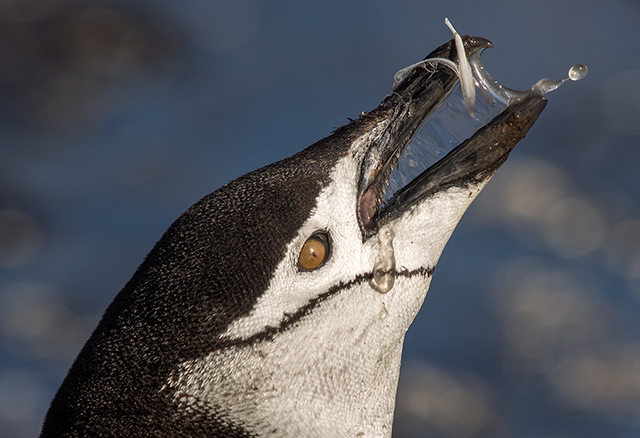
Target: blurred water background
[{"x": 116, "y": 116}]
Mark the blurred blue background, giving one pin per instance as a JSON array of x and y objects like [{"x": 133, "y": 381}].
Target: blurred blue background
[{"x": 116, "y": 116}]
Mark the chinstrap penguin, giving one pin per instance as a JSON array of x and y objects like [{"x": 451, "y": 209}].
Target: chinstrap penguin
[{"x": 277, "y": 305}]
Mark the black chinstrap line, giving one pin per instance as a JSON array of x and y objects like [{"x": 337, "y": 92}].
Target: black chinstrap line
[{"x": 292, "y": 318}]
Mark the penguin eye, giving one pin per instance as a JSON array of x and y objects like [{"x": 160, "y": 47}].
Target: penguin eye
[{"x": 315, "y": 252}]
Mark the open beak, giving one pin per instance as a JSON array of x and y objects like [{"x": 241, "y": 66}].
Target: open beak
[{"x": 414, "y": 99}]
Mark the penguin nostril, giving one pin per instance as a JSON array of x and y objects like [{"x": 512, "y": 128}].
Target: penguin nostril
[{"x": 315, "y": 252}]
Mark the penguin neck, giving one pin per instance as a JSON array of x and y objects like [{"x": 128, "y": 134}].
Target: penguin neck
[
  {"x": 323, "y": 377},
  {"x": 324, "y": 397}
]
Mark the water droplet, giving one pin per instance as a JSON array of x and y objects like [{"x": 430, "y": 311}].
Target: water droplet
[
  {"x": 578, "y": 72},
  {"x": 384, "y": 313},
  {"x": 543, "y": 86},
  {"x": 493, "y": 91},
  {"x": 384, "y": 269},
  {"x": 382, "y": 280}
]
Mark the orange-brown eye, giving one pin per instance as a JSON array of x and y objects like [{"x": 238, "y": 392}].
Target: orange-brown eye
[{"x": 315, "y": 252}]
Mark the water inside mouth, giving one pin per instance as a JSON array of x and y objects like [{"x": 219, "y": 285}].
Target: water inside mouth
[
  {"x": 446, "y": 128},
  {"x": 461, "y": 114}
]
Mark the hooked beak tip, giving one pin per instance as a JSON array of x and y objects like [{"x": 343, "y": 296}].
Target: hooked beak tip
[{"x": 476, "y": 42}]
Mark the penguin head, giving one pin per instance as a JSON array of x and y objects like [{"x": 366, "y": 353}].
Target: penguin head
[{"x": 278, "y": 305}]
